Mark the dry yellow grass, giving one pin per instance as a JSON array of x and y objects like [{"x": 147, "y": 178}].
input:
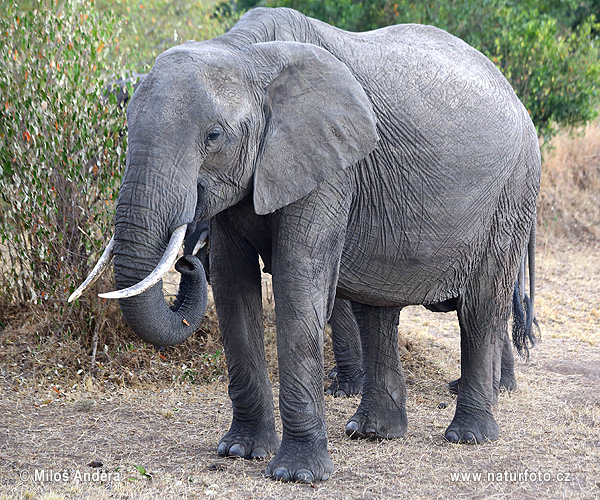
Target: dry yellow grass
[
  {"x": 551, "y": 426},
  {"x": 569, "y": 204}
]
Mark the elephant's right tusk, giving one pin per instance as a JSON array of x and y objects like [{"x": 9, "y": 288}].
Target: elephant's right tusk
[
  {"x": 159, "y": 271},
  {"x": 99, "y": 268}
]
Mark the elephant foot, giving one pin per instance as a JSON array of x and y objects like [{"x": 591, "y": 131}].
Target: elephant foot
[
  {"x": 472, "y": 429},
  {"x": 304, "y": 461},
  {"x": 508, "y": 382},
  {"x": 248, "y": 443},
  {"x": 371, "y": 422},
  {"x": 345, "y": 385}
]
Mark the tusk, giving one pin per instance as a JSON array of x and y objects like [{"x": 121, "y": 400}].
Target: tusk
[
  {"x": 99, "y": 268},
  {"x": 201, "y": 243},
  {"x": 159, "y": 271}
]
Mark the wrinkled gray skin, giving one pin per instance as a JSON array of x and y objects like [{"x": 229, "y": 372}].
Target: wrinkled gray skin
[
  {"x": 392, "y": 167},
  {"x": 347, "y": 376},
  {"x": 347, "y": 350},
  {"x": 508, "y": 379}
]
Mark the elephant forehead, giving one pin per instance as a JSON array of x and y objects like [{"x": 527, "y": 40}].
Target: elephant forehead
[
  {"x": 225, "y": 89},
  {"x": 209, "y": 74}
]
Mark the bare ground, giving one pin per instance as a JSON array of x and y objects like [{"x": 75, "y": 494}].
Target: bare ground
[{"x": 550, "y": 428}]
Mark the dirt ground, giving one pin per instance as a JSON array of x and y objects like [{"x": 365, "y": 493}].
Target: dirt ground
[{"x": 160, "y": 442}]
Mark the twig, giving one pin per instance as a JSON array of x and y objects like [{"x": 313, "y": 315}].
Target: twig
[{"x": 99, "y": 325}]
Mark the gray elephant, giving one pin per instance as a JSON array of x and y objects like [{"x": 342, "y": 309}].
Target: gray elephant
[
  {"x": 347, "y": 376},
  {"x": 389, "y": 168}
]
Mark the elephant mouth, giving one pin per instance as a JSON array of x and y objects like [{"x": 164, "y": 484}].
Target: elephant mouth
[{"x": 166, "y": 262}]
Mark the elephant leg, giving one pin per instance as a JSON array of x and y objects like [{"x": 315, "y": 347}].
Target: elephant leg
[
  {"x": 382, "y": 411},
  {"x": 237, "y": 290},
  {"x": 508, "y": 379},
  {"x": 345, "y": 336},
  {"x": 482, "y": 322},
  {"x": 305, "y": 264},
  {"x": 303, "y": 455}
]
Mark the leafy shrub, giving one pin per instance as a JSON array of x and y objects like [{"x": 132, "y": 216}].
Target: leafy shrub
[
  {"x": 556, "y": 75},
  {"x": 62, "y": 150},
  {"x": 153, "y": 26}
]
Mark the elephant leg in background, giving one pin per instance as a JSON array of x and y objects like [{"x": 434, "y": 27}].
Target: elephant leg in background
[
  {"x": 382, "y": 411},
  {"x": 238, "y": 299},
  {"x": 508, "y": 379},
  {"x": 345, "y": 337}
]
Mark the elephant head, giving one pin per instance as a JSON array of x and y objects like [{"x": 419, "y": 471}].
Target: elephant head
[{"x": 210, "y": 126}]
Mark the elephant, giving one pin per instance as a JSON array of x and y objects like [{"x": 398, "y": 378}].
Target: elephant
[
  {"x": 347, "y": 376},
  {"x": 390, "y": 168},
  {"x": 119, "y": 88}
]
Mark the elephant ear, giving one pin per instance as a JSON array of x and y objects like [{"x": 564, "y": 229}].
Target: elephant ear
[{"x": 318, "y": 121}]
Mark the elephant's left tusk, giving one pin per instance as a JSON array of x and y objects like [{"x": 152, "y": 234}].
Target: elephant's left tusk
[
  {"x": 201, "y": 243},
  {"x": 159, "y": 271},
  {"x": 99, "y": 268}
]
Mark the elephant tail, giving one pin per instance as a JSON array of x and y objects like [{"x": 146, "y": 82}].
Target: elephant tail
[{"x": 525, "y": 325}]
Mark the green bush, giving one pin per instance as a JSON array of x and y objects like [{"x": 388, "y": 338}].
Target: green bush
[
  {"x": 62, "y": 150},
  {"x": 151, "y": 27},
  {"x": 556, "y": 74}
]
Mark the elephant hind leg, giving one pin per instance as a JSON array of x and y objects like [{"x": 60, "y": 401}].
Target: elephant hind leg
[
  {"x": 508, "y": 379},
  {"x": 474, "y": 421},
  {"x": 345, "y": 336},
  {"x": 483, "y": 317},
  {"x": 382, "y": 411},
  {"x": 484, "y": 309}
]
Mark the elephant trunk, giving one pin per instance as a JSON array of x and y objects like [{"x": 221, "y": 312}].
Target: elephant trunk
[
  {"x": 146, "y": 216},
  {"x": 152, "y": 320}
]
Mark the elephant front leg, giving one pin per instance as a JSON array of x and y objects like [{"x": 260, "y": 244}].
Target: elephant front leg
[
  {"x": 307, "y": 251},
  {"x": 382, "y": 411},
  {"x": 236, "y": 282},
  {"x": 301, "y": 318}
]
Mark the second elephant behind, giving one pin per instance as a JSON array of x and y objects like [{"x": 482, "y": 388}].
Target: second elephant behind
[{"x": 347, "y": 375}]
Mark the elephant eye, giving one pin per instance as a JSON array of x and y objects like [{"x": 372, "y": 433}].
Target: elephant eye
[{"x": 213, "y": 136}]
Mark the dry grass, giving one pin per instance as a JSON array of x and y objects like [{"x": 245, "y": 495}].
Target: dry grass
[
  {"x": 30, "y": 357},
  {"x": 569, "y": 205},
  {"x": 568, "y": 296},
  {"x": 156, "y": 410}
]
